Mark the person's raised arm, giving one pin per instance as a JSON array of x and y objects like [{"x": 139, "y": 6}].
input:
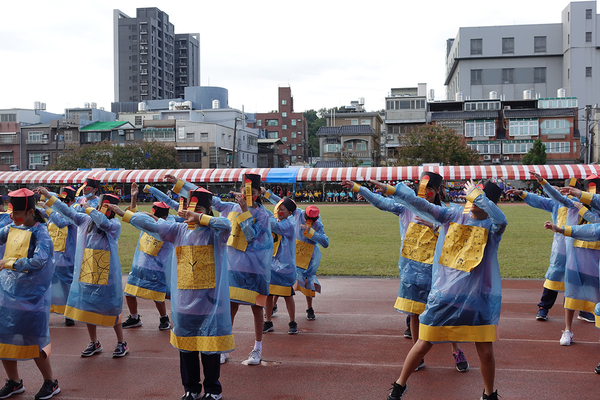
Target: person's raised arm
[{"x": 381, "y": 202}]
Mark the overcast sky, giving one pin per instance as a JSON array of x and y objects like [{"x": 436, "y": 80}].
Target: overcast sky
[{"x": 328, "y": 52}]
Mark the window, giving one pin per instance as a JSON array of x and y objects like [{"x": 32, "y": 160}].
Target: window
[
  {"x": 476, "y": 77},
  {"x": 508, "y": 45},
  {"x": 189, "y": 136},
  {"x": 159, "y": 134},
  {"x": 558, "y": 147},
  {"x": 273, "y": 135},
  {"x": 508, "y": 75},
  {"x": 189, "y": 156},
  {"x": 588, "y": 72},
  {"x": 284, "y": 114},
  {"x": 293, "y": 135},
  {"x": 476, "y": 46},
  {"x": 555, "y": 126},
  {"x": 516, "y": 147},
  {"x": 539, "y": 44},
  {"x": 35, "y": 137},
  {"x": 68, "y": 136},
  {"x": 557, "y": 103},
  {"x": 365, "y": 122},
  {"x": 487, "y": 148},
  {"x": 129, "y": 135},
  {"x": 7, "y": 158},
  {"x": 331, "y": 148},
  {"x": 283, "y": 102},
  {"x": 284, "y": 138},
  {"x": 272, "y": 122},
  {"x": 293, "y": 122},
  {"x": 293, "y": 146},
  {"x": 36, "y": 158},
  {"x": 293, "y": 159},
  {"x": 8, "y": 118},
  {"x": 482, "y": 105},
  {"x": 349, "y": 146},
  {"x": 354, "y": 122},
  {"x": 588, "y": 37},
  {"x": 284, "y": 126},
  {"x": 523, "y": 127},
  {"x": 588, "y": 13},
  {"x": 480, "y": 128},
  {"x": 539, "y": 75},
  {"x": 259, "y": 123},
  {"x": 361, "y": 146},
  {"x": 284, "y": 151},
  {"x": 138, "y": 120}
]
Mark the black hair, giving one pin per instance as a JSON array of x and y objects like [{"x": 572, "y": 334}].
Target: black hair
[{"x": 37, "y": 215}]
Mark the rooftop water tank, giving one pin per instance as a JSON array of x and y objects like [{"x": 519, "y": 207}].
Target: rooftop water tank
[
  {"x": 459, "y": 96},
  {"x": 526, "y": 94},
  {"x": 561, "y": 93},
  {"x": 216, "y": 104},
  {"x": 142, "y": 106},
  {"x": 493, "y": 95}
]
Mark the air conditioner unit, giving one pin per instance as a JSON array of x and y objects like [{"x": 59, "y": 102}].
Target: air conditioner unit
[
  {"x": 487, "y": 158},
  {"x": 45, "y": 163},
  {"x": 45, "y": 157},
  {"x": 31, "y": 166},
  {"x": 390, "y": 137},
  {"x": 506, "y": 158},
  {"x": 2, "y": 158},
  {"x": 495, "y": 161}
]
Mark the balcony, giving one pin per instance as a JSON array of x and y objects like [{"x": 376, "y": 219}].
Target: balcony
[
  {"x": 143, "y": 83},
  {"x": 143, "y": 72}
]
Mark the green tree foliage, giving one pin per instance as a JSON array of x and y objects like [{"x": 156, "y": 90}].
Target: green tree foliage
[
  {"x": 536, "y": 155},
  {"x": 435, "y": 144},
  {"x": 134, "y": 155}
]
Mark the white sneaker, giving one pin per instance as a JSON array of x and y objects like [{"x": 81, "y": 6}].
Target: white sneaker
[
  {"x": 224, "y": 357},
  {"x": 567, "y": 338},
  {"x": 254, "y": 357}
]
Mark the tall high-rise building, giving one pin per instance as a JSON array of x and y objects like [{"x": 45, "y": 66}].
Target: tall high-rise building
[{"x": 151, "y": 62}]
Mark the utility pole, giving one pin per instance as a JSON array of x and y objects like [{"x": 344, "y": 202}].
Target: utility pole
[
  {"x": 234, "y": 141},
  {"x": 587, "y": 135}
]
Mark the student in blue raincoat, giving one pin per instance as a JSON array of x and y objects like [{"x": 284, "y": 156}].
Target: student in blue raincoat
[
  {"x": 149, "y": 270},
  {"x": 465, "y": 298},
  {"x": 249, "y": 252},
  {"x": 96, "y": 295},
  {"x": 25, "y": 279},
  {"x": 310, "y": 233},
  {"x": 283, "y": 266},
  {"x": 63, "y": 232},
  {"x": 199, "y": 290}
]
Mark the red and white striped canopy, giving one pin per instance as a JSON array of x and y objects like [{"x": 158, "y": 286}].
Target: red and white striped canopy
[{"x": 360, "y": 174}]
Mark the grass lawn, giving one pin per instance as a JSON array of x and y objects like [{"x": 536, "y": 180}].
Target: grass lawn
[{"x": 364, "y": 241}]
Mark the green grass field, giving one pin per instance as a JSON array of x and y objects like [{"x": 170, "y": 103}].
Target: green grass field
[{"x": 364, "y": 241}]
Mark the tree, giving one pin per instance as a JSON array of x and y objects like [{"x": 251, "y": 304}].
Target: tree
[
  {"x": 314, "y": 120},
  {"x": 536, "y": 155},
  {"x": 134, "y": 155},
  {"x": 435, "y": 144}
]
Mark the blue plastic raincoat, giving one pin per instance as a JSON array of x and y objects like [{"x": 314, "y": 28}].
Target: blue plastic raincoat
[
  {"x": 581, "y": 272},
  {"x": 77, "y": 205},
  {"x": 151, "y": 266},
  {"x": 555, "y": 275},
  {"x": 308, "y": 254},
  {"x": 416, "y": 254},
  {"x": 96, "y": 295},
  {"x": 283, "y": 266},
  {"x": 200, "y": 306},
  {"x": 63, "y": 232},
  {"x": 465, "y": 298},
  {"x": 249, "y": 248},
  {"x": 25, "y": 292}
]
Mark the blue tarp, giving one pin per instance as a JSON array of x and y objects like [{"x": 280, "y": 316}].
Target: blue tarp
[{"x": 283, "y": 175}]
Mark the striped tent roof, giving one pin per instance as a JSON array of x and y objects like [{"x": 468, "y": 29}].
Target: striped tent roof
[{"x": 360, "y": 174}]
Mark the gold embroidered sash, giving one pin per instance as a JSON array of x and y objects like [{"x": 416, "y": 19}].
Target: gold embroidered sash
[
  {"x": 59, "y": 237},
  {"x": 196, "y": 267},
  {"x": 463, "y": 247},
  {"x": 95, "y": 267},
  {"x": 150, "y": 245},
  {"x": 17, "y": 246},
  {"x": 419, "y": 243},
  {"x": 304, "y": 253},
  {"x": 236, "y": 238}
]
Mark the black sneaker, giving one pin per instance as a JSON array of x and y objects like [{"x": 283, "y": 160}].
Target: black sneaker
[
  {"x": 191, "y": 396},
  {"x": 462, "y": 364},
  {"x": 493, "y": 396},
  {"x": 597, "y": 370},
  {"x": 421, "y": 365},
  {"x": 310, "y": 314},
  {"x": 267, "y": 326},
  {"x": 121, "y": 349},
  {"x": 274, "y": 310},
  {"x": 49, "y": 389},
  {"x": 69, "y": 322},
  {"x": 397, "y": 391},
  {"x": 11, "y": 387},
  {"x": 542, "y": 314},
  {"x": 293, "y": 328},
  {"x": 212, "y": 396},
  {"x": 164, "y": 325},
  {"x": 93, "y": 348},
  {"x": 132, "y": 322},
  {"x": 407, "y": 333}
]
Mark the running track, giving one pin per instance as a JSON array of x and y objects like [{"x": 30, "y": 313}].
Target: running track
[{"x": 354, "y": 350}]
